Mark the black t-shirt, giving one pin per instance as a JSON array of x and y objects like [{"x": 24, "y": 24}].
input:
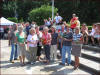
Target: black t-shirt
[
  {"x": 54, "y": 38},
  {"x": 67, "y": 36}
]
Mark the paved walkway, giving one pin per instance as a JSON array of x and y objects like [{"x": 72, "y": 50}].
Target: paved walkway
[{"x": 38, "y": 68}]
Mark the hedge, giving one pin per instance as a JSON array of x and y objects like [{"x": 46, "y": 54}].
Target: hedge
[
  {"x": 39, "y": 14},
  {"x": 13, "y": 19}
]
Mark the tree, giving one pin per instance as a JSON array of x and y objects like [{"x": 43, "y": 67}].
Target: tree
[
  {"x": 13, "y": 19},
  {"x": 39, "y": 14}
]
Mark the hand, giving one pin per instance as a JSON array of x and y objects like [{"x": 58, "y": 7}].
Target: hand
[
  {"x": 22, "y": 44},
  {"x": 64, "y": 39},
  {"x": 34, "y": 42}
]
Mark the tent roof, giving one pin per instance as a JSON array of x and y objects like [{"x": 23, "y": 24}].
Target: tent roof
[{"x": 4, "y": 21}]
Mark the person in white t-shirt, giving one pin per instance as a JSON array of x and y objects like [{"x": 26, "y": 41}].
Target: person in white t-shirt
[
  {"x": 32, "y": 41},
  {"x": 58, "y": 18},
  {"x": 92, "y": 33}
]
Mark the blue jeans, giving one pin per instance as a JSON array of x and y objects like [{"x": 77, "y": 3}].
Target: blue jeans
[
  {"x": 68, "y": 50},
  {"x": 13, "y": 52}
]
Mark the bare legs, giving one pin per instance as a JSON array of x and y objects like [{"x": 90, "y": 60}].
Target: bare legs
[
  {"x": 76, "y": 62},
  {"x": 22, "y": 59},
  {"x": 92, "y": 38}
]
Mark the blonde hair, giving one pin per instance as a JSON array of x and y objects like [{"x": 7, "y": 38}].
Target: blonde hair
[
  {"x": 30, "y": 31},
  {"x": 45, "y": 28},
  {"x": 20, "y": 28},
  {"x": 77, "y": 28}
]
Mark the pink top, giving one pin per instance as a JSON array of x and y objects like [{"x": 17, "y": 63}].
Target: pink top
[{"x": 46, "y": 39}]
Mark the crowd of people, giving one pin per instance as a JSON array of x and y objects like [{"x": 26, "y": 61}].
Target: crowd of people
[{"x": 52, "y": 36}]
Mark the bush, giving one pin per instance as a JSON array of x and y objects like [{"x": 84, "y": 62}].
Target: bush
[
  {"x": 21, "y": 20},
  {"x": 89, "y": 27},
  {"x": 13, "y": 19},
  {"x": 39, "y": 14}
]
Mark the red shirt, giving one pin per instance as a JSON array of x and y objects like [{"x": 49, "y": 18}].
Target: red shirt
[
  {"x": 73, "y": 23},
  {"x": 46, "y": 39}
]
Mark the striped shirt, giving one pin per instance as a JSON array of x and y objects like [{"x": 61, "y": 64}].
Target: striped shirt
[{"x": 77, "y": 37}]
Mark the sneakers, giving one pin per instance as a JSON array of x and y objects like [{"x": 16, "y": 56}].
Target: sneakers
[
  {"x": 32, "y": 63},
  {"x": 62, "y": 64},
  {"x": 28, "y": 62},
  {"x": 11, "y": 61},
  {"x": 16, "y": 59},
  {"x": 76, "y": 68}
]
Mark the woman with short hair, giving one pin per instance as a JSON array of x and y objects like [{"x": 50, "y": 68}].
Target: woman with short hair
[
  {"x": 32, "y": 41},
  {"x": 20, "y": 39},
  {"x": 46, "y": 40},
  {"x": 77, "y": 46}
]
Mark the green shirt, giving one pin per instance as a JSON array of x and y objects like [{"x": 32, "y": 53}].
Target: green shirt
[{"x": 21, "y": 39}]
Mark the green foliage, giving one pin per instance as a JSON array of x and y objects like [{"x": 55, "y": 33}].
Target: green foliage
[
  {"x": 13, "y": 19},
  {"x": 24, "y": 7},
  {"x": 8, "y": 9},
  {"x": 21, "y": 20},
  {"x": 39, "y": 14},
  {"x": 88, "y": 11},
  {"x": 89, "y": 27}
]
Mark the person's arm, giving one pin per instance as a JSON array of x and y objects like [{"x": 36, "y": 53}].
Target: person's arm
[
  {"x": 16, "y": 41},
  {"x": 57, "y": 42},
  {"x": 71, "y": 38},
  {"x": 28, "y": 40},
  {"x": 81, "y": 39},
  {"x": 50, "y": 38},
  {"x": 16, "y": 35},
  {"x": 62, "y": 43},
  {"x": 67, "y": 39}
]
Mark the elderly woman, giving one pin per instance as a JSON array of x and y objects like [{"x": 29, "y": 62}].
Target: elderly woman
[
  {"x": 46, "y": 40},
  {"x": 20, "y": 39},
  {"x": 32, "y": 41},
  {"x": 77, "y": 46}
]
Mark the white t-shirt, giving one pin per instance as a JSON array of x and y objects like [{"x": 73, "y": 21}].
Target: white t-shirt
[
  {"x": 92, "y": 32},
  {"x": 48, "y": 23},
  {"x": 1, "y": 29},
  {"x": 40, "y": 34},
  {"x": 32, "y": 38},
  {"x": 57, "y": 18}
]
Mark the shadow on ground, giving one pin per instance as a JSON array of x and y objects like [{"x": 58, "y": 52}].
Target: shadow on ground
[{"x": 9, "y": 65}]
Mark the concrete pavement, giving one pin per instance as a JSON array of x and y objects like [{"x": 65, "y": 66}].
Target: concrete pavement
[{"x": 38, "y": 68}]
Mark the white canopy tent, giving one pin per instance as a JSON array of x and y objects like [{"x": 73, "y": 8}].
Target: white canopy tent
[{"x": 5, "y": 22}]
